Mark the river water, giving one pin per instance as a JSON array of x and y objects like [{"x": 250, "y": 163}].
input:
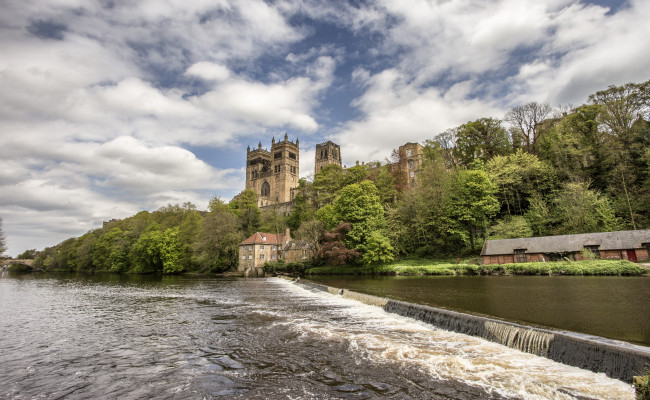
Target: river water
[
  {"x": 79, "y": 337},
  {"x": 607, "y": 306}
]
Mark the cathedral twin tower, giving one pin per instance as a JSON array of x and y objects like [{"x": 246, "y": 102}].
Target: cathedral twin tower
[{"x": 273, "y": 175}]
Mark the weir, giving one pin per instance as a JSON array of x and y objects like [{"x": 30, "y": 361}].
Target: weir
[{"x": 618, "y": 360}]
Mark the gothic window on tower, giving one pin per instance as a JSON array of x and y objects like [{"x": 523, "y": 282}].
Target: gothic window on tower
[
  {"x": 292, "y": 156},
  {"x": 266, "y": 189}
]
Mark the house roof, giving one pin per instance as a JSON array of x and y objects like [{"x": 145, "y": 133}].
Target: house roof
[
  {"x": 264, "y": 238},
  {"x": 297, "y": 245},
  {"x": 620, "y": 240}
]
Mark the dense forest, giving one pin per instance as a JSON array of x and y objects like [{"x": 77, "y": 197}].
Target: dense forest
[{"x": 536, "y": 172}]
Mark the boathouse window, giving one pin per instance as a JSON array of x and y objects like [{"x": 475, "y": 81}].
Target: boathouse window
[
  {"x": 520, "y": 255},
  {"x": 594, "y": 250}
]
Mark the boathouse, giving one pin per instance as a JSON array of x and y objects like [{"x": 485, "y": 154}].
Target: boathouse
[{"x": 623, "y": 245}]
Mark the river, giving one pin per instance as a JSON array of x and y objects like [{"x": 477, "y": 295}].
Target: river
[
  {"x": 607, "y": 306},
  {"x": 131, "y": 337}
]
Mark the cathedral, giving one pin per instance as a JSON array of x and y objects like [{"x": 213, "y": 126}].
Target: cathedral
[{"x": 273, "y": 175}]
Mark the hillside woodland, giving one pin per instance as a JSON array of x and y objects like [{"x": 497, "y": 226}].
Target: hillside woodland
[{"x": 536, "y": 172}]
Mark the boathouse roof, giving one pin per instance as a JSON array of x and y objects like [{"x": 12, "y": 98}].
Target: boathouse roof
[{"x": 620, "y": 240}]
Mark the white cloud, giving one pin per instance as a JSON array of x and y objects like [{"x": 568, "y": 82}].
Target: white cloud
[{"x": 209, "y": 71}]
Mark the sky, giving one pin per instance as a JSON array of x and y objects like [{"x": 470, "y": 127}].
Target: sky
[{"x": 111, "y": 107}]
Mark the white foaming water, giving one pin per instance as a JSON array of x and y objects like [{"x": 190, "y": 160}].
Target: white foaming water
[{"x": 381, "y": 337}]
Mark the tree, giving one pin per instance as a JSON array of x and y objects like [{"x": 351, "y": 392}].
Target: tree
[
  {"x": 311, "y": 231},
  {"x": 245, "y": 207},
  {"x": 527, "y": 122},
  {"x": 27, "y": 255},
  {"x": 510, "y": 227},
  {"x": 171, "y": 251},
  {"x": 217, "y": 245},
  {"x": 473, "y": 201},
  {"x": 421, "y": 223},
  {"x": 3, "y": 240},
  {"x": 377, "y": 249},
  {"x": 145, "y": 252},
  {"x": 517, "y": 177},
  {"x": 334, "y": 251},
  {"x": 581, "y": 210},
  {"x": 482, "y": 139},
  {"x": 623, "y": 106},
  {"x": 446, "y": 143},
  {"x": 360, "y": 205}
]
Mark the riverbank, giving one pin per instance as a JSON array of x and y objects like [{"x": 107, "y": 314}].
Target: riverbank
[{"x": 427, "y": 267}]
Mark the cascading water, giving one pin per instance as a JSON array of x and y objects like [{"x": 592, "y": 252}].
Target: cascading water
[{"x": 617, "y": 359}]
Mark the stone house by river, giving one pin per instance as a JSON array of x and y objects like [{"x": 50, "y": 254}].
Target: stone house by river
[
  {"x": 623, "y": 245},
  {"x": 263, "y": 247}
]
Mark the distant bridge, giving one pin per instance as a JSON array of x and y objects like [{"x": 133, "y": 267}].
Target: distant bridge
[{"x": 12, "y": 261}]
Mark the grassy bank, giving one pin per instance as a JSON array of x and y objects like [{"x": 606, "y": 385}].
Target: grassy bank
[{"x": 428, "y": 267}]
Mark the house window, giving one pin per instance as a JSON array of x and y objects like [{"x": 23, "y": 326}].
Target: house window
[
  {"x": 594, "y": 250},
  {"x": 272, "y": 256},
  {"x": 250, "y": 247},
  {"x": 243, "y": 257},
  {"x": 412, "y": 174},
  {"x": 261, "y": 256},
  {"x": 261, "y": 247},
  {"x": 409, "y": 152},
  {"x": 272, "y": 248},
  {"x": 411, "y": 164},
  {"x": 250, "y": 257},
  {"x": 520, "y": 255}
]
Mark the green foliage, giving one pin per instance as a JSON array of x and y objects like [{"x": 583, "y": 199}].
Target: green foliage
[
  {"x": 171, "y": 251},
  {"x": 510, "y": 227},
  {"x": 482, "y": 139},
  {"x": 573, "y": 209},
  {"x": 145, "y": 253},
  {"x": 359, "y": 204},
  {"x": 473, "y": 201},
  {"x": 293, "y": 269},
  {"x": 377, "y": 249},
  {"x": 519, "y": 176},
  {"x": 27, "y": 255},
  {"x": 217, "y": 245},
  {"x": 245, "y": 207}
]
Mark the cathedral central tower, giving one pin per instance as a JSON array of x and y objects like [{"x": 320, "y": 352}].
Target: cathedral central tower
[{"x": 273, "y": 174}]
